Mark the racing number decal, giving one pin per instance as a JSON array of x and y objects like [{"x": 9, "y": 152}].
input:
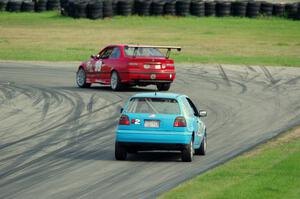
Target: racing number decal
[{"x": 98, "y": 66}]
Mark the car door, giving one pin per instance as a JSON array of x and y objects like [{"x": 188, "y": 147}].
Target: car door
[
  {"x": 198, "y": 124},
  {"x": 110, "y": 63},
  {"x": 100, "y": 64}
]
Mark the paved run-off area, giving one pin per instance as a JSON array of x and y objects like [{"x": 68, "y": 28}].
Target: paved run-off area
[{"x": 57, "y": 141}]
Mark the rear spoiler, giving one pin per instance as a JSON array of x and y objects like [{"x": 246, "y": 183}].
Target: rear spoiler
[
  {"x": 178, "y": 48},
  {"x": 169, "y": 48}
]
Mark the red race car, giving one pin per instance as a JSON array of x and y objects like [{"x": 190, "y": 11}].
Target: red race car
[{"x": 129, "y": 65}]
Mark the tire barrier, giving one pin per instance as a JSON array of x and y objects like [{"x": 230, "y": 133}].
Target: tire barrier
[
  {"x": 239, "y": 8},
  {"x": 197, "y": 8},
  {"x": 14, "y": 6},
  {"x": 95, "y": 9},
  {"x": 108, "y": 8},
  {"x": 124, "y": 7},
  {"x": 183, "y": 7},
  {"x": 3, "y": 4},
  {"x": 266, "y": 8},
  {"x": 291, "y": 10},
  {"x": 40, "y": 5},
  {"x": 170, "y": 7},
  {"x": 253, "y": 8},
  {"x": 27, "y": 6},
  {"x": 157, "y": 7},
  {"x": 53, "y": 4},
  {"x": 223, "y": 8},
  {"x": 210, "y": 8},
  {"x": 143, "y": 7}
]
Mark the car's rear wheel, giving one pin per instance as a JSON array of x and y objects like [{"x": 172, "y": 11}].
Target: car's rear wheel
[
  {"x": 115, "y": 82},
  {"x": 120, "y": 152},
  {"x": 203, "y": 147},
  {"x": 188, "y": 152},
  {"x": 81, "y": 79},
  {"x": 163, "y": 86}
]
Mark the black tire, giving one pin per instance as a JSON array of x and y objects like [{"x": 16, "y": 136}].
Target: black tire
[
  {"x": 202, "y": 148},
  {"x": 210, "y": 8},
  {"x": 163, "y": 86},
  {"x": 187, "y": 153},
  {"x": 14, "y": 6},
  {"x": 115, "y": 81},
  {"x": 40, "y": 5},
  {"x": 27, "y": 6},
  {"x": 120, "y": 152},
  {"x": 170, "y": 7},
  {"x": 82, "y": 82},
  {"x": 3, "y": 4}
]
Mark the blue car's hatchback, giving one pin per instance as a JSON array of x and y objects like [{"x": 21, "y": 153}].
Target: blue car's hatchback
[{"x": 161, "y": 121}]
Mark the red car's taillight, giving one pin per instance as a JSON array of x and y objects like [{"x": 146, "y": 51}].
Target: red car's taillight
[
  {"x": 124, "y": 120},
  {"x": 180, "y": 122}
]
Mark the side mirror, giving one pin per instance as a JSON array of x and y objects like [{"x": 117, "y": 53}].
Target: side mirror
[
  {"x": 121, "y": 110},
  {"x": 202, "y": 113}
]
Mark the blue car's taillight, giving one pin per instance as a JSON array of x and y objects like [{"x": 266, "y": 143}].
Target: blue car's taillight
[
  {"x": 180, "y": 122},
  {"x": 124, "y": 120}
]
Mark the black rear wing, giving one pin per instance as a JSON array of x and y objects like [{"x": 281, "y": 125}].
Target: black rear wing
[{"x": 169, "y": 48}]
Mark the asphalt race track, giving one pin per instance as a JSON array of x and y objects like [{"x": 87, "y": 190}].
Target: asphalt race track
[{"x": 57, "y": 140}]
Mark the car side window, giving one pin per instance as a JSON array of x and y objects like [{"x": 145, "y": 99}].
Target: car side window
[
  {"x": 192, "y": 105},
  {"x": 106, "y": 53},
  {"x": 187, "y": 108},
  {"x": 115, "y": 53}
]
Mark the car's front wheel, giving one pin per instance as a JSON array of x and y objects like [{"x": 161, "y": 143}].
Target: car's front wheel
[
  {"x": 163, "y": 86},
  {"x": 120, "y": 152},
  {"x": 115, "y": 82},
  {"x": 188, "y": 152},
  {"x": 81, "y": 79}
]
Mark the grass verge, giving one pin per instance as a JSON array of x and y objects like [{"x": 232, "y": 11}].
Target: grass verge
[
  {"x": 51, "y": 37},
  {"x": 271, "y": 170}
]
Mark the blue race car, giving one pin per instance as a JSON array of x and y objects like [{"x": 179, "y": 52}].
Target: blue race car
[{"x": 161, "y": 121}]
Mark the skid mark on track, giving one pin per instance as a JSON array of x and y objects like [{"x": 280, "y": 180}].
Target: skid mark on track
[
  {"x": 269, "y": 75},
  {"x": 224, "y": 75}
]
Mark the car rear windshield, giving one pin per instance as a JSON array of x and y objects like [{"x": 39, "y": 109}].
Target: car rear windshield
[
  {"x": 143, "y": 52},
  {"x": 153, "y": 105}
]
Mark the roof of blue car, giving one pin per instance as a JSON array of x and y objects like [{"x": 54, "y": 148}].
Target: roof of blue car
[{"x": 158, "y": 94}]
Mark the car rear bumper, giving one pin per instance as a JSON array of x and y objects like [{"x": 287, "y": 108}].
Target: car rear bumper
[
  {"x": 156, "y": 137},
  {"x": 144, "y": 146},
  {"x": 148, "y": 77}
]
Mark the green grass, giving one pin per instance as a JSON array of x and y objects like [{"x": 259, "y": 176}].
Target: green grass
[
  {"x": 51, "y": 37},
  {"x": 270, "y": 171}
]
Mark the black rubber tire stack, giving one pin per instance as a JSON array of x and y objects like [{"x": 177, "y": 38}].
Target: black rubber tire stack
[
  {"x": 239, "y": 8},
  {"x": 125, "y": 7},
  {"x": 183, "y": 7},
  {"x": 253, "y": 9},
  {"x": 170, "y": 7},
  {"x": 53, "y": 4},
  {"x": 143, "y": 7},
  {"x": 197, "y": 8},
  {"x": 291, "y": 10},
  {"x": 108, "y": 8},
  {"x": 27, "y": 6},
  {"x": 266, "y": 8},
  {"x": 64, "y": 6},
  {"x": 3, "y": 4},
  {"x": 278, "y": 9},
  {"x": 79, "y": 9},
  {"x": 157, "y": 7},
  {"x": 95, "y": 9},
  {"x": 210, "y": 8},
  {"x": 14, "y": 6},
  {"x": 223, "y": 8},
  {"x": 297, "y": 15},
  {"x": 40, "y": 5}
]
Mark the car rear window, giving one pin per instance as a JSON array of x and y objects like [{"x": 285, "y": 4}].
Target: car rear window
[
  {"x": 143, "y": 52},
  {"x": 153, "y": 105}
]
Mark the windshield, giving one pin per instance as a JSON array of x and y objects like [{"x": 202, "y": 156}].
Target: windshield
[
  {"x": 143, "y": 52},
  {"x": 153, "y": 105}
]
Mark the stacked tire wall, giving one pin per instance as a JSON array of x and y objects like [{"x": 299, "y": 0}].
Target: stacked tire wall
[{"x": 97, "y": 9}]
